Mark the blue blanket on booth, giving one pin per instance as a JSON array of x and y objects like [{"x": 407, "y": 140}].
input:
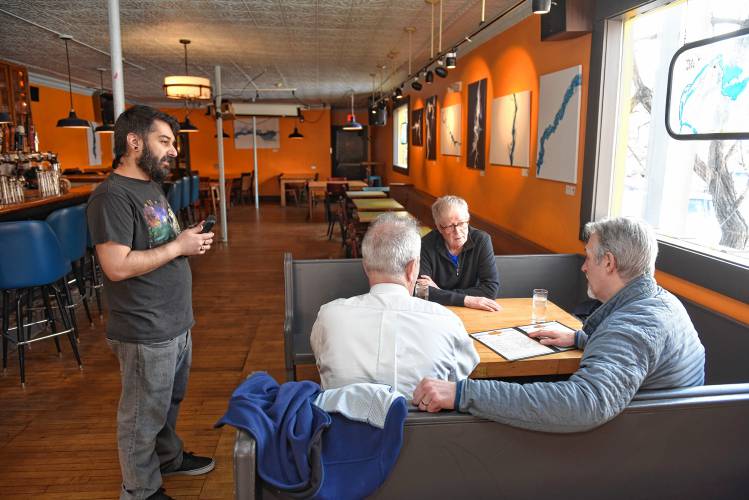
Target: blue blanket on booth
[{"x": 307, "y": 452}]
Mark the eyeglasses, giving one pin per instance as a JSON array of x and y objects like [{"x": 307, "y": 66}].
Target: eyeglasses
[{"x": 458, "y": 225}]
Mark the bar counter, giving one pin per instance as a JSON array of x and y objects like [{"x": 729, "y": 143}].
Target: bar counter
[{"x": 39, "y": 208}]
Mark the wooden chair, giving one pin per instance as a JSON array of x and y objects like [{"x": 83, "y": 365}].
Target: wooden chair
[
  {"x": 246, "y": 189},
  {"x": 334, "y": 194}
]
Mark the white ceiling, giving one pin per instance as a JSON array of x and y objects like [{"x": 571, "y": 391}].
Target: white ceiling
[{"x": 323, "y": 48}]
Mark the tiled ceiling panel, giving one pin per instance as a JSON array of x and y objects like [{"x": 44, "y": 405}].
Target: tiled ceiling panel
[{"x": 322, "y": 48}]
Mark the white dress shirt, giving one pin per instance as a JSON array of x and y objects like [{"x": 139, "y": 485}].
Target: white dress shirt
[{"x": 388, "y": 337}]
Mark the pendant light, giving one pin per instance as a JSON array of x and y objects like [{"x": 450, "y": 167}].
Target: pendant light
[
  {"x": 296, "y": 134},
  {"x": 104, "y": 128},
  {"x": 186, "y": 126},
  {"x": 72, "y": 121},
  {"x": 185, "y": 86},
  {"x": 351, "y": 123}
]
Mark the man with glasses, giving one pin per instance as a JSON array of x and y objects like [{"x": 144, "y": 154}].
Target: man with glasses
[{"x": 457, "y": 260}]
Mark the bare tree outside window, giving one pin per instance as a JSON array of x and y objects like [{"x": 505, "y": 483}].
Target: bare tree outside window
[{"x": 695, "y": 191}]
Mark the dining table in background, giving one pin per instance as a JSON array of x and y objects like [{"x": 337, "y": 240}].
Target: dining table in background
[
  {"x": 377, "y": 205},
  {"x": 301, "y": 178},
  {"x": 365, "y": 194},
  {"x": 317, "y": 187}
]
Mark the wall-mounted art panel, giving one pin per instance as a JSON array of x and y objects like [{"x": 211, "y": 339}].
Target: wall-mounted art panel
[
  {"x": 511, "y": 130},
  {"x": 417, "y": 120},
  {"x": 450, "y": 135},
  {"x": 559, "y": 125},
  {"x": 477, "y": 125},
  {"x": 267, "y": 133},
  {"x": 431, "y": 128}
]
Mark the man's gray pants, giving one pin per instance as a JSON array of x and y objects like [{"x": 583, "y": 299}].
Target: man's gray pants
[{"x": 154, "y": 382}]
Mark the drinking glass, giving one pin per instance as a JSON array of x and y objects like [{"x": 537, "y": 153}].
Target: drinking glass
[
  {"x": 422, "y": 291},
  {"x": 538, "y": 312}
]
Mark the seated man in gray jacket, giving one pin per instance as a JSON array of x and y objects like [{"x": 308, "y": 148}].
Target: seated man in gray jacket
[{"x": 640, "y": 338}]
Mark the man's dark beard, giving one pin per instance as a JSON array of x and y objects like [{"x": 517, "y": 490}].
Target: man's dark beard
[{"x": 151, "y": 165}]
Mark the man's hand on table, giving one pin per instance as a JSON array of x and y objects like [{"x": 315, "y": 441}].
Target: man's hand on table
[
  {"x": 427, "y": 280},
  {"x": 481, "y": 303},
  {"x": 552, "y": 337},
  {"x": 433, "y": 395}
]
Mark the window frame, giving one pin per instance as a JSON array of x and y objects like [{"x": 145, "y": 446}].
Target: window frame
[
  {"x": 406, "y": 101},
  {"x": 703, "y": 269}
]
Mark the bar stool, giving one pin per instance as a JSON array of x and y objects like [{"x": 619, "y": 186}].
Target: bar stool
[
  {"x": 71, "y": 229},
  {"x": 187, "y": 216},
  {"x": 195, "y": 197},
  {"x": 31, "y": 257},
  {"x": 174, "y": 197}
]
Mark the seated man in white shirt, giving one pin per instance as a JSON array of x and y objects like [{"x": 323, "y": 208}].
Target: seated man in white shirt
[{"x": 387, "y": 336}]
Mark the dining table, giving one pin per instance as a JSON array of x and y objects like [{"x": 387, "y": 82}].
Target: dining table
[
  {"x": 517, "y": 312},
  {"x": 377, "y": 205}
]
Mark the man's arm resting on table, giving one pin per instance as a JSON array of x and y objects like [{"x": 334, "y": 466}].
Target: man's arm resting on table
[{"x": 120, "y": 262}]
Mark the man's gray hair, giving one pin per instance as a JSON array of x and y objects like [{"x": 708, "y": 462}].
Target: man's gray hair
[
  {"x": 631, "y": 241},
  {"x": 445, "y": 203},
  {"x": 391, "y": 242}
]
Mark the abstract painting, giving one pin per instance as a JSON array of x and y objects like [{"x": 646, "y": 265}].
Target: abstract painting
[
  {"x": 559, "y": 125},
  {"x": 450, "y": 134},
  {"x": 511, "y": 130},
  {"x": 477, "y": 125},
  {"x": 431, "y": 128},
  {"x": 417, "y": 119},
  {"x": 268, "y": 136}
]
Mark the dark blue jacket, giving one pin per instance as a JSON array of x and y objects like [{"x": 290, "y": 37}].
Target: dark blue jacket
[{"x": 304, "y": 450}]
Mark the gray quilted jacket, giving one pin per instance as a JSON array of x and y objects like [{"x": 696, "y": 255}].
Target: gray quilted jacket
[{"x": 642, "y": 338}]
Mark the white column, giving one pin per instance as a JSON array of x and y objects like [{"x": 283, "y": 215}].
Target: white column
[
  {"x": 254, "y": 159},
  {"x": 220, "y": 139},
  {"x": 115, "y": 48}
]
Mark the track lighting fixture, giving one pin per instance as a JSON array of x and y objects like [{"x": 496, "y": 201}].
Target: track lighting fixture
[
  {"x": 398, "y": 94},
  {"x": 450, "y": 59},
  {"x": 441, "y": 71},
  {"x": 429, "y": 78},
  {"x": 416, "y": 85},
  {"x": 541, "y": 6}
]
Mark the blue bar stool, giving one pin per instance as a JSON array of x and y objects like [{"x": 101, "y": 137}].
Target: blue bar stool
[
  {"x": 195, "y": 195},
  {"x": 174, "y": 197},
  {"x": 374, "y": 180},
  {"x": 71, "y": 229},
  {"x": 31, "y": 257},
  {"x": 185, "y": 200}
]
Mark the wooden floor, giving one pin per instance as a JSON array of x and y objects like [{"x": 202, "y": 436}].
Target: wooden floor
[{"x": 57, "y": 436}]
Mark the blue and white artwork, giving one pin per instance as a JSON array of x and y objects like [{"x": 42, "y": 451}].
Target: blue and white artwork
[
  {"x": 511, "y": 130},
  {"x": 268, "y": 136},
  {"x": 559, "y": 125},
  {"x": 709, "y": 91},
  {"x": 450, "y": 134}
]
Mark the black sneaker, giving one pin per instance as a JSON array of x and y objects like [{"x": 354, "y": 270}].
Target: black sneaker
[
  {"x": 160, "y": 495},
  {"x": 192, "y": 465}
]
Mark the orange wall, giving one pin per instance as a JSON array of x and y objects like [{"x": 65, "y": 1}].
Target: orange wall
[
  {"x": 538, "y": 210},
  {"x": 293, "y": 156},
  {"x": 70, "y": 144}
]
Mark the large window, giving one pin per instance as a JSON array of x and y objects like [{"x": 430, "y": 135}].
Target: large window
[
  {"x": 400, "y": 137},
  {"x": 695, "y": 193}
]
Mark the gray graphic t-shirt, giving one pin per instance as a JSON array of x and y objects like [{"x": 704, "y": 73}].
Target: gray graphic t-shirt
[{"x": 156, "y": 306}]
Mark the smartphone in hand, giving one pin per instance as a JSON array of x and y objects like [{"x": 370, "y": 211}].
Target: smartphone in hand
[{"x": 208, "y": 224}]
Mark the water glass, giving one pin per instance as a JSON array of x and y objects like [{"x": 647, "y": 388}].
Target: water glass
[
  {"x": 538, "y": 312},
  {"x": 422, "y": 291}
]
